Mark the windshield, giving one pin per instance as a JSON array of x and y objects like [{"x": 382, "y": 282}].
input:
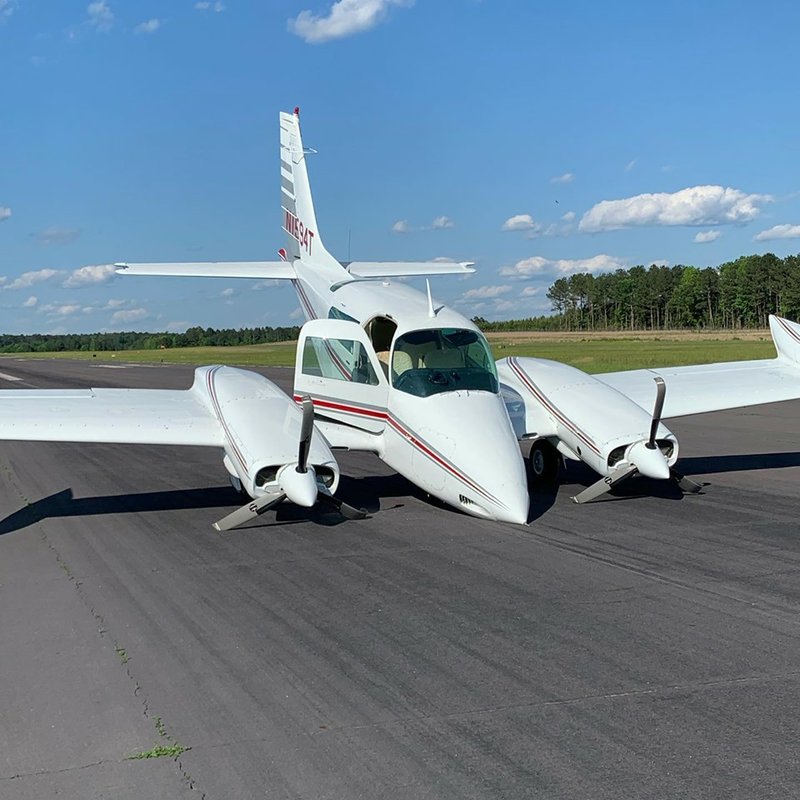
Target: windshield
[{"x": 442, "y": 360}]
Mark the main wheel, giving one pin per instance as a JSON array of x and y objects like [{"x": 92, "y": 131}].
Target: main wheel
[{"x": 544, "y": 461}]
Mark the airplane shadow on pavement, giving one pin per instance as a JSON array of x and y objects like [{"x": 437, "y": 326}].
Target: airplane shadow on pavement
[
  {"x": 638, "y": 486},
  {"x": 374, "y": 493},
  {"x": 370, "y": 493}
]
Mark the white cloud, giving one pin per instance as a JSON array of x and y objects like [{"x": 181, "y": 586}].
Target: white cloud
[
  {"x": 486, "y": 292},
  {"x": 205, "y": 5},
  {"x": 540, "y": 267},
  {"x": 401, "y": 226},
  {"x": 442, "y": 222},
  {"x": 567, "y": 177},
  {"x": 29, "y": 278},
  {"x": 229, "y": 292},
  {"x": 704, "y": 237},
  {"x": 56, "y": 234},
  {"x": 5, "y": 213},
  {"x": 530, "y": 291},
  {"x": 345, "y": 18},
  {"x": 112, "y": 304},
  {"x": 697, "y": 205},
  {"x": 568, "y": 217},
  {"x": 101, "y": 17},
  {"x": 631, "y": 164},
  {"x": 779, "y": 232},
  {"x": 129, "y": 315},
  {"x": 55, "y": 310},
  {"x": 179, "y": 326},
  {"x": 150, "y": 26},
  {"x": 297, "y": 313},
  {"x": 7, "y": 8},
  {"x": 31, "y": 302},
  {"x": 91, "y": 275},
  {"x": 520, "y": 222}
]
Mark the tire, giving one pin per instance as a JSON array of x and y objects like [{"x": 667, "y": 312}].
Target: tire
[{"x": 543, "y": 462}]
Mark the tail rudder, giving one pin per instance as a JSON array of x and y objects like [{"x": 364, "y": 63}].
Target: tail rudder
[{"x": 297, "y": 207}]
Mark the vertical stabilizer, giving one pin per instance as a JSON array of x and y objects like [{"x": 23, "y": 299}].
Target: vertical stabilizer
[{"x": 297, "y": 207}]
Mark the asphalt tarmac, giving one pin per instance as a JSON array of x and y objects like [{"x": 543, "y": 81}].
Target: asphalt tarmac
[{"x": 643, "y": 646}]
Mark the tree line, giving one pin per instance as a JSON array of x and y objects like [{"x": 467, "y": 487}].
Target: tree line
[
  {"x": 130, "y": 340},
  {"x": 737, "y": 294}
]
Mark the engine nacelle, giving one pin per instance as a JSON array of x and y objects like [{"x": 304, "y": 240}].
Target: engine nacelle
[
  {"x": 262, "y": 428},
  {"x": 590, "y": 419}
]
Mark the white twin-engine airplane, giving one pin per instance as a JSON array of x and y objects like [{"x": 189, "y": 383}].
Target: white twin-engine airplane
[{"x": 381, "y": 368}]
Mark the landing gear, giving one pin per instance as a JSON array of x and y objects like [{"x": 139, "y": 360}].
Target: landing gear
[{"x": 543, "y": 461}]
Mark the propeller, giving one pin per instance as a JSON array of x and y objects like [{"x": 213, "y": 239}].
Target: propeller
[
  {"x": 297, "y": 482},
  {"x": 643, "y": 457}
]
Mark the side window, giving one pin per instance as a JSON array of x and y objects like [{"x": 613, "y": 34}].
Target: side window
[
  {"x": 338, "y": 359},
  {"x": 334, "y": 313}
]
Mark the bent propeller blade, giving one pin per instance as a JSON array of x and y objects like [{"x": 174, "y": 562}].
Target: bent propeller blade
[
  {"x": 661, "y": 391},
  {"x": 604, "y": 485},
  {"x": 249, "y": 511},
  {"x": 306, "y": 431}
]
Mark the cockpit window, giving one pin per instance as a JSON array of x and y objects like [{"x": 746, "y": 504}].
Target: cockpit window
[{"x": 440, "y": 360}]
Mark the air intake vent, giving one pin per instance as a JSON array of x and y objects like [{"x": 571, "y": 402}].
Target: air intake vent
[{"x": 465, "y": 501}]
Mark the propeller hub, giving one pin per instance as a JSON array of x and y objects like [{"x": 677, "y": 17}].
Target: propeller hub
[
  {"x": 299, "y": 487},
  {"x": 650, "y": 462}
]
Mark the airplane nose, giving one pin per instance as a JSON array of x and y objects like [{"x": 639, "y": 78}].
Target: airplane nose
[
  {"x": 467, "y": 454},
  {"x": 649, "y": 462}
]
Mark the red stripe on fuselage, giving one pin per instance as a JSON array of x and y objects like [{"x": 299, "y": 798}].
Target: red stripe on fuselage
[{"x": 406, "y": 434}]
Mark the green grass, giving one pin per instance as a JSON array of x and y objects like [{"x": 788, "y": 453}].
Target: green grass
[
  {"x": 611, "y": 355},
  {"x": 161, "y": 751},
  {"x": 590, "y": 354}
]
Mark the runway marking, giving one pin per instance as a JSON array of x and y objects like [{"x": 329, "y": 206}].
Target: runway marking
[
  {"x": 6, "y": 377},
  {"x": 110, "y": 366}
]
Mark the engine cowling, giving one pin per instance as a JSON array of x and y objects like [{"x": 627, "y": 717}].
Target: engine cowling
[{"x": 261, "y": 425}]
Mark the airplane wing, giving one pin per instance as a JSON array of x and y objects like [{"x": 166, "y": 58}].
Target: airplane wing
[
  {"x": 714, "y": 387},
  {"x": 128, "y": 416},
  {"x": 396, "y": 269},
  {"x": 260, "y": 270}
]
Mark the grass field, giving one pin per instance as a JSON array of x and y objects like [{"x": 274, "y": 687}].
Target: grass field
[{"x": 590, "y": 352}]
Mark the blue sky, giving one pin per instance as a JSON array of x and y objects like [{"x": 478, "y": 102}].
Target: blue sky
[{"x": 536, "y": 139}]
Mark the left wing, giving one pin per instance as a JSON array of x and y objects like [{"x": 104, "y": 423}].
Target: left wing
[
  {"x": 260, "y": 270},
  {"x": 397, "y": 269},
  {"x": 715, "y": 387}
]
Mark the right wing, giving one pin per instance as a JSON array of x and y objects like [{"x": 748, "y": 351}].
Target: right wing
[
  {"x": 260, "y": 270},
  {"x": 715, "y": 387}
]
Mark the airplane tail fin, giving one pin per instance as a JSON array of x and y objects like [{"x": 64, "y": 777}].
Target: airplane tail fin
[{"x": 304, "y": 244}]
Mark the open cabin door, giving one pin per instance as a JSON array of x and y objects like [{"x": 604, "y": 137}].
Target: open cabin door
[{"x": 337, "y": 366}]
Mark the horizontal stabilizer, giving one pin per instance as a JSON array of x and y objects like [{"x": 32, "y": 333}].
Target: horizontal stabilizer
[
  {"x": 259, "y": 270},
  {"x": 397, "y": 269}
]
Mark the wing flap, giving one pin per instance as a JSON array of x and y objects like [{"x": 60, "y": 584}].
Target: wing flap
[
  {"x": 397, "y": 269},
  {"x": 259, "y": 270},
  {"x": 120, "y": 416}
]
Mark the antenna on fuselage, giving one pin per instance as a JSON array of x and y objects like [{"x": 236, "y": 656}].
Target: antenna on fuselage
[{"x": 431, "y": 309}]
